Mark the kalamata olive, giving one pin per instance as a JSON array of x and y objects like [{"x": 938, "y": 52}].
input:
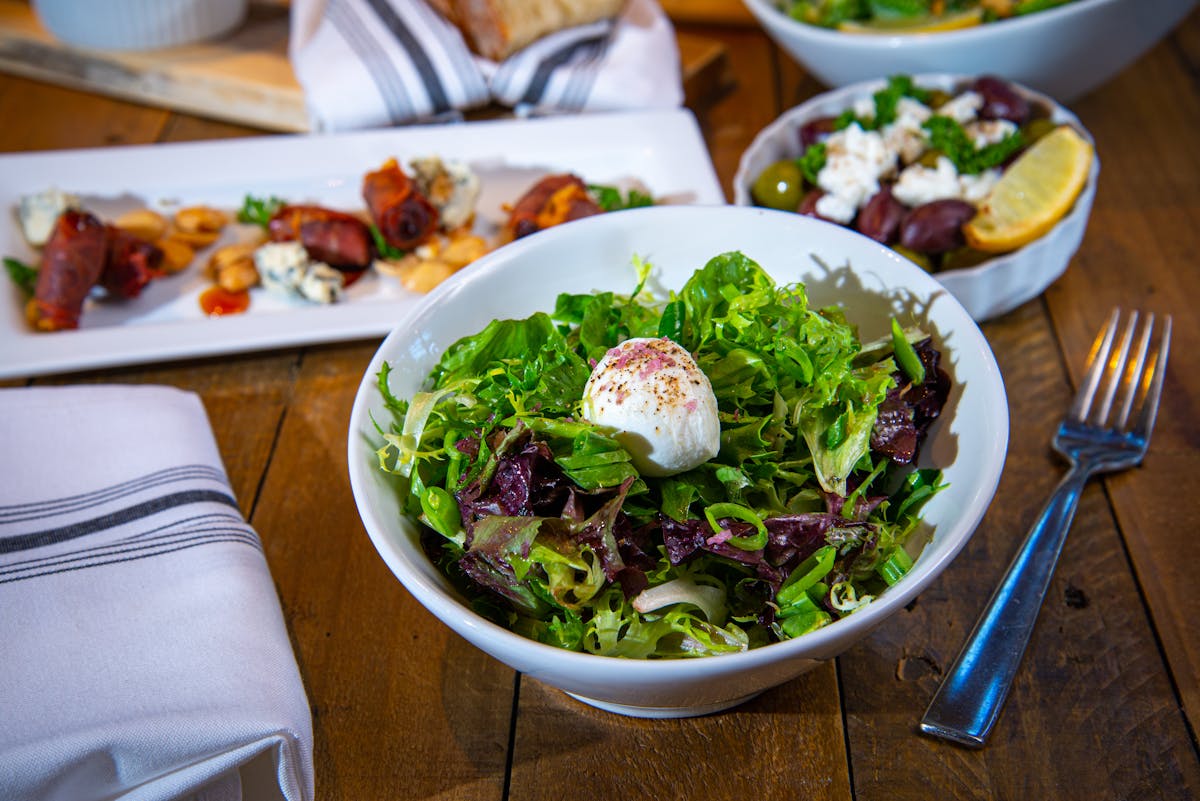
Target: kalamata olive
[
  {"x": 817, "y": 130},
  {"x": 936, "y": 227},
  {"x": 1001, "y": 101},
  {"x": 880, "y": 217},
  {"x": 779, "y": 186},
  {"x": 808, "y": 204}
]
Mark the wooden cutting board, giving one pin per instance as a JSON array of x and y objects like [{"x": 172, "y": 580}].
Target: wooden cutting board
[{"x": 244, "y": 78}]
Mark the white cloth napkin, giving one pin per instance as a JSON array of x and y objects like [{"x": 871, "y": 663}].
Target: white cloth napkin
[
  {"x": 376, "y": 63},
  {"x": 143, "y": 651}
]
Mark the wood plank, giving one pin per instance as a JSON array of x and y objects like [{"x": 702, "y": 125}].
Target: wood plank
[
  {"x": 730, "y": 123},
  {"x": 1146, "y": 222},
  {"x": 1092, "y": 675},
  {"x": 51, "y": 118},
  {"x": 717, "y": 12},
  {"x": 787, "y": 743},
  {"x": 399, "y": 702},
  {"x": 245, "y": 77}
]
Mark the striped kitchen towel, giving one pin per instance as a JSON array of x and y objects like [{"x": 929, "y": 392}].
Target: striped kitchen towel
[
  {"x": 133, "y": 597},
  {"x": 378, "y": 63}
]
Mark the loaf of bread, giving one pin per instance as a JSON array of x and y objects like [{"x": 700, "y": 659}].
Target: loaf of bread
[{"x": 496, "y": 29}]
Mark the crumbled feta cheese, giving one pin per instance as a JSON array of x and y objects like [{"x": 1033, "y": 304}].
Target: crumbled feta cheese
[
  {"x": 864, "y": 108},
  {"x": 281, "y": 265},
  {"x": 919, "y": 184},
  {"x": 854, "y": 161},
  {"x": 659, "y": 401},
  {"x": 988, "y": 132},
  {"x": 37, "y": 213},
  {"x": 905, "y": 136},
  {"x": 963, "y": 108},
  {"x": 976, "y": 188},
  {"x": 322, "y": 283}
]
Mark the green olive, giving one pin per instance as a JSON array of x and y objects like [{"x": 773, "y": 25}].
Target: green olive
[
  {"x": 929, "y": 159},
  {"x": 922, "y": 260},
  {"x": 964, "y": 257},
  {"x": 779, "y": 186},
  {"x": 938, "y": 98},
  {"x": 1037, "y": 128}
]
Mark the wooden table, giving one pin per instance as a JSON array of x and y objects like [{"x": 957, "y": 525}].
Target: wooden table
[{"x": 1106, "y": 705}]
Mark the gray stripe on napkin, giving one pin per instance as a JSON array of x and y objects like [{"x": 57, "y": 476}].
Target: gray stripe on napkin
[
  {"x": 129, "y": 514},
  {"x": 416, "y": 54},
  {"x": 24, "y": 512},
  {"x": 381, "y": 68},
  {"x": 178, "y": 535}
]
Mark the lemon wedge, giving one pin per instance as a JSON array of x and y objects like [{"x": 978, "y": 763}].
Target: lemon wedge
[
  {"x": 932, "y": 24},
  {"x": 1033, "y": 194}
]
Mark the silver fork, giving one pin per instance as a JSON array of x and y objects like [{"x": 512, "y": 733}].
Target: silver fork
[{"x": 1095, "y": 437}]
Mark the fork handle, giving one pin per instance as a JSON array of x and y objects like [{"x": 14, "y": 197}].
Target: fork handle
[{"x": 968, "y": 702}]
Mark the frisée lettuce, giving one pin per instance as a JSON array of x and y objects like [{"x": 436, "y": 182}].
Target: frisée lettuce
[{"x": 541, "y": 520}]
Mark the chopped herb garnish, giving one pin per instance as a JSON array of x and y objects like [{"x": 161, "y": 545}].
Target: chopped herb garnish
[
  {"x": 24, "y": 276},
  {"x": 258, "y": 211},
  {"x": 610, "y": 198},
  {"x": 384, "y": 248},
  {"x": 948, "y": 137},
  {"x": 812, "y": 162}
]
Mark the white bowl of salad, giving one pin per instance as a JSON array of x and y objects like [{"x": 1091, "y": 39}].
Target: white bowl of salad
[
  {"x": 916, "y": 162},
  {"x": 631, "y": 559},
  {"x": 1065, "y": 49}
]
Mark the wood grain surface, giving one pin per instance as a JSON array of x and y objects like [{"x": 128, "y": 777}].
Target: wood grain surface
[{"x": 1107, "y": 701}]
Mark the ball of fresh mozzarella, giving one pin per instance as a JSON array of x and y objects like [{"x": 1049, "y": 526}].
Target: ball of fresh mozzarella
[{"x": 661, "y": 404}]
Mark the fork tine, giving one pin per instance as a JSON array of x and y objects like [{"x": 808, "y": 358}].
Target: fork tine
[
  {"x": 1153, "y": 380},
  {"x": 1096, "y": 362},
  {"x": 1115, "y": 370},
  {"x": 1133, "y": 382}
]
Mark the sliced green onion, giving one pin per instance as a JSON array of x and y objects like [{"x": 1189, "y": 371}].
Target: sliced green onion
[
  {"x": 896, "y": 566},
  {"x": 803, "y": 617},
  {"x": 738, "y": 512},
  {"x": 806, "y": 575},
  {"x": 906, "y": 357}
]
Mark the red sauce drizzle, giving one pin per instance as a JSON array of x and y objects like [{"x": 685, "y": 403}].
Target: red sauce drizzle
[{"x": 216, "y": 301}]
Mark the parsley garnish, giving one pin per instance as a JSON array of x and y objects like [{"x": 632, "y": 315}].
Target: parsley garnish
[
  {"x": 811, "y": 162},
  {"x": 949, "y": 138},
  {"x": 258, "y": 211},
  {"x": 24, "y": 276},
  {"x": 610, "y": 198},
  {"x": 384, "y": 248}
]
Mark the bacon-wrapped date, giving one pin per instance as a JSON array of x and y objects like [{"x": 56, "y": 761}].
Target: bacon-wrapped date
[
  {"x": 553, "y": 200},
  {"x": 72, "y": 261},
  {"x": 339, "y": 239},
  {"x": 130, "y": 264},
  {"x": 404, "y": 216}
]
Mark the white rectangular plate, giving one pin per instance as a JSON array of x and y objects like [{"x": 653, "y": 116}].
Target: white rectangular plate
[{"x": 661, "y": 152}]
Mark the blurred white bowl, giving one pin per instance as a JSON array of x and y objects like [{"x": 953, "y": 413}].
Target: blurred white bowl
[
  {"x": 969, "y": 440},
  {"x": 138, "y": 24},
  {"x": 988, "y": 289},
  {"x": 1065, "y": 52}
]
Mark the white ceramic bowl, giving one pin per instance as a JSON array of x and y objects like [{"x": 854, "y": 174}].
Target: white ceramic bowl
[
  {"x": 1064, "y": 52},
  {"x": 138, "y": 24},
  {"x": 970, "y": 439},
  {"x": 988, "y": 289}
]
